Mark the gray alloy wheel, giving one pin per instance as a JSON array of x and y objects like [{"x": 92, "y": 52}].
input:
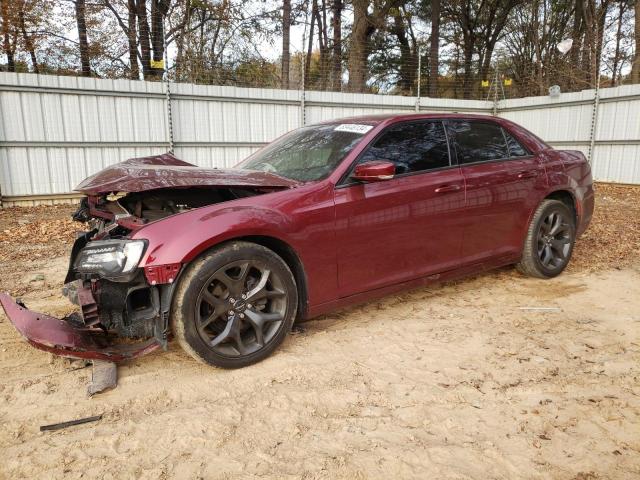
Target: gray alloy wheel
[
  {"x": 550, "y": 240},
  {"x": 234, "y": 305}
]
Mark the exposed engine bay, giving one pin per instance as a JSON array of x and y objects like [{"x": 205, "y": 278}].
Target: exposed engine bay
[{"x": 118, "y": 214}]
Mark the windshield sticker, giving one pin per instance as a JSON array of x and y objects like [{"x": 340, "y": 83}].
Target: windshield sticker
[{"x": 353, "y": 128}]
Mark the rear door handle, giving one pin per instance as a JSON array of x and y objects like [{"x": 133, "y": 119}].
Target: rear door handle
[
  {"x": 447, "y": 188},
  {"x": 528, "y": 174}
]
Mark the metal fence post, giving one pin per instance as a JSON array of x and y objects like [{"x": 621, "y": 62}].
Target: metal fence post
[
  {"x": 169, "y": 115},
  {"x": 303, "y": 65},
  {"x": 495, "y": 93},
  {"x": 168, "y": 92},
  {"x": 419, "y": 80},
  {"x": 596, "y": 62},
  {"x": 303, "y": 108},
  {"x": 594, "y": 121}
]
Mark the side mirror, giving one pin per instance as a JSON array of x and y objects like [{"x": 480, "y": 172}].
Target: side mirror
[{"x": 374, "y": 171}]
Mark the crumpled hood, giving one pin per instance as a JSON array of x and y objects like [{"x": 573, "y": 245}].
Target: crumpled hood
[{"x": 167, "y": 171}]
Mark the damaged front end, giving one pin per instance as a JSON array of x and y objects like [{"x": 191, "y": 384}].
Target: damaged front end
[
  {"x": 114, "y": 295},
  {"x": 118, "y": 298}
]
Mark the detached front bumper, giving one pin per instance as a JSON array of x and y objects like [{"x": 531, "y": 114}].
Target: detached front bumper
[{"x": 62, "y": 338}]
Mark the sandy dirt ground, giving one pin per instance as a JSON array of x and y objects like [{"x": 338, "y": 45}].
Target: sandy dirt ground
[{"x": 455, "y": 381}]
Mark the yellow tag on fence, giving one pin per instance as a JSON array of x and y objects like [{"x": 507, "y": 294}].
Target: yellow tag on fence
[
  {"x": 485, "y": 83},
  {"x": 507, "y": 82},
  {"x": 157, "y": 64}
]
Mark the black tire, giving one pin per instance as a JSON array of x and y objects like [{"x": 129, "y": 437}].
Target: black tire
[
  {"x": 218, "y": 329},
  {"x": 549, "y": 242}
]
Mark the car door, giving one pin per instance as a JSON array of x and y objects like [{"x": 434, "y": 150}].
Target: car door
[
  {"x": 504, "y": 183},
  {"x": 406, "y": 227}
]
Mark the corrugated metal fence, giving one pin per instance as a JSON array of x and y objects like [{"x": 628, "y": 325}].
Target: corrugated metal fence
[{"x": 55, "y": 131}]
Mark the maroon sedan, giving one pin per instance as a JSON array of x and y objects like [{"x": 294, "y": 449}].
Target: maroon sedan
[{"x": 328, "y": 215}]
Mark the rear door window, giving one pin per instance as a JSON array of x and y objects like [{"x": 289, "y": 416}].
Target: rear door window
[{"x": 477, "y": 141}]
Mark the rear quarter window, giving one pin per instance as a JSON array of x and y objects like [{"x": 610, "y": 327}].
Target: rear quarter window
[{"x": 515, "y": 148}]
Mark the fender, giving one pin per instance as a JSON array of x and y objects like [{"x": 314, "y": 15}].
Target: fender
[
  {"x": 302, "y": 218},
  {"x": 570, "y": 172},
  {"x": 181, "y": 238}
]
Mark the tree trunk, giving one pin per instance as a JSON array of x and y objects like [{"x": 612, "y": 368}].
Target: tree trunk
[
  {"x": 486, "y": 61},
  {"x": 535, "y": 13},
  {"x": 129, "y": 30},
  {"x": 468, "y": 46},
  {"x": 434, "y": 48},
  {"x": 9, "y": 50},
  {"x": 145, "y": 45},
  {"x": 336, "y": 74},
  {"x": 180, "y": 41},
  {"x": 456, "y": 76},
  {"x": 214, "y": 44},
  {"x": 132, "y": 38},
  {"x": 159, "y": 9},
  {"x": 493, "y": 35},
  {"x": 635, "y": 71},
  {"x": 28, "y": 43},
  {"x": 407, "y": 73},
  {"x": 11, "y": 63},
  {"x": 468, "y": 74},
  {"x": 83, "y": 42},
  {"x": 286, "y": 42},
  {"x": 307, "y": 63},
  {"x": 616, "y": 56},
  {"x": 359, "y": 50},
  {"x": 600, "y": 21},
  {"x": 323, "y": 40},
  {"x": 576, "y": 47},
  {"x": 589, "y": 62}
]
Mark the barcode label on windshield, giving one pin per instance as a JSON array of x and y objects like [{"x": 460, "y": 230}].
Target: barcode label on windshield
[{"x": 353, "y": 128}]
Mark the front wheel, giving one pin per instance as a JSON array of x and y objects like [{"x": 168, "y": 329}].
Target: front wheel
[
  {"x": 549, "y": 242},
  {"x": 234, "y": 305}
]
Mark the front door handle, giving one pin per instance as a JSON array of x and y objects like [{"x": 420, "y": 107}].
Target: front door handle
[
  {"x": 447, "y": 188},
  {"x": 528, "y": 174}
]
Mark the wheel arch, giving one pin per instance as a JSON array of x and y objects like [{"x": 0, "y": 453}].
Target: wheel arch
[
  {"x": 566, "y": 197},
  {"x": 288, "y": 255},
  {"x": 563, "y": 195}
]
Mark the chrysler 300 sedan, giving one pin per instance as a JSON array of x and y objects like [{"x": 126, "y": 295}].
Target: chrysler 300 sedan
[{"x": 225, "y": 260}]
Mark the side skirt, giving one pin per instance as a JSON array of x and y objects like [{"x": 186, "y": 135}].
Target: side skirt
[{"x": 323, "y": 308}]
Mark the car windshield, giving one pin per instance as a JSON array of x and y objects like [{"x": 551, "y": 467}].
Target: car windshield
[{"x": 308, "y": 153}]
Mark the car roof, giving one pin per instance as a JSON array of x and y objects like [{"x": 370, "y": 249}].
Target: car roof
[
  {"x": 388, "y": 117},
  {"x": 534, "y": 142}
]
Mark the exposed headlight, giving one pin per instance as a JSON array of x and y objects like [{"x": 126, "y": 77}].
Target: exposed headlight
[{"x": 109, "y": 258}]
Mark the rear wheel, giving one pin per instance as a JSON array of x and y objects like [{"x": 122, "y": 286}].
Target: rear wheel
[
  {"x": 234, "y": 305},
  {"x": 549, "y": 241}
]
